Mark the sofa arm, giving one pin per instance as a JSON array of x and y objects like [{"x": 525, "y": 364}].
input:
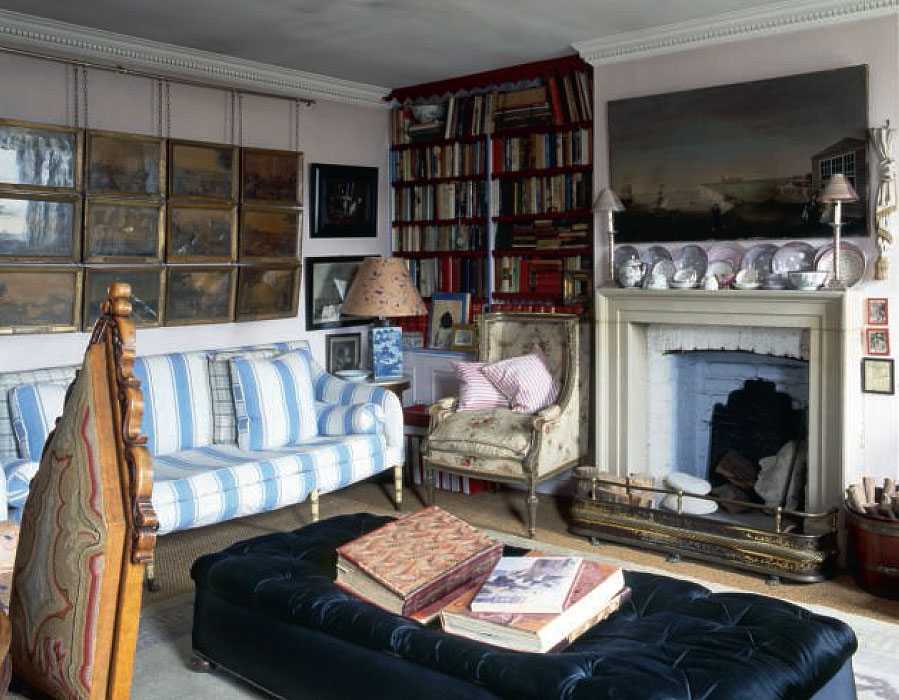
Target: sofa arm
[{"x": 356, "y": 419}]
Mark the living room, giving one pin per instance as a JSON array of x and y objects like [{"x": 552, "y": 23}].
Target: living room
[{"x": 64, "y": 75}]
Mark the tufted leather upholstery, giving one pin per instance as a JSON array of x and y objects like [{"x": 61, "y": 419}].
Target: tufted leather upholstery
[{"x": 673, "y": 640}]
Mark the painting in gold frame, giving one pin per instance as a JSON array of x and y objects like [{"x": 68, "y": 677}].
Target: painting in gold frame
[
  {"x": 201, "y": 232},
  {"x": 267, "y": 291},
  {"x": 199, "y": 170},
  {"x": 125, "y": 164},
  {"x": 576, "y": 286},
  {"x": 464, "y": 337},
  {"x": 147, "y": 293},
  {"x": 269, "y": 234},
  {"x": 40, "y": 227},
  {"x": 199, "y": 294},
  {"x": 271, "y": 177},
  {"x": 39, "y": 299},
  {"x": 40, "y": 157},
  {"x": 123, "y": 230}
]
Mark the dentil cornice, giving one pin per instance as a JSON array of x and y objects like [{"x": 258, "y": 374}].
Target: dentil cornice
[
  {"x": 763, "y": 21},
  {"x": 72, "y": 42}
]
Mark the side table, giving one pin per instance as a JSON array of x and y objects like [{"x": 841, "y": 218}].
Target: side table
[{"x": 397, "y": 386}]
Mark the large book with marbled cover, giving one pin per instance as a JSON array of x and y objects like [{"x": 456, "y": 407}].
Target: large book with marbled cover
[{"x": 415, "y": 563}]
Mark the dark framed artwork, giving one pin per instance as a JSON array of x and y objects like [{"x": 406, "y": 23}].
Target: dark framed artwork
[
  {"x": 327, "y": 281},
  {"x": 343, "y": 351},
  {"x": 448, "y": 309},
  {"x": 200, "y": 170},
  {"x": 123, "y": 230},
  {"x": 269, "y": 234},
  {"x": 700, "y": 164},
  {"x": 199, "y": 294},
  {"x": 125, "y": 164},
  {"x": 40, "y": 157},
  {"x": 40, "y": 227},
  {"x": 344, "y": 201},
  {"x": 877, "y": 375},
  {"x": 201, "y": 232},
  {"x": 147, "y": 293},
  {"x": 40, "y": 299},
  {"x": 271, "y": 177},
  {"x": 267, "y": 291}
]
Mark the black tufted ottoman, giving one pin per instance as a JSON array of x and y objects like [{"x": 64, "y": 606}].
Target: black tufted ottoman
[{"x": 267, "y": 610}]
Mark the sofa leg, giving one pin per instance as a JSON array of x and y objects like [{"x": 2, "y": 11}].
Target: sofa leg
[
  {"x": 313, "y": 503},
  {"x": 150, "y": 575},
  {"x": 398, "y": 486}
]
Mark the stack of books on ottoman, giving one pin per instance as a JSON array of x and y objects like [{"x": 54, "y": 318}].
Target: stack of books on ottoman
[{"x": 431, "y": 563}]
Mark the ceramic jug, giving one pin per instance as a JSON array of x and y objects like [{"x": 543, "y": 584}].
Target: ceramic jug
[{"x": 631, "y": 273}]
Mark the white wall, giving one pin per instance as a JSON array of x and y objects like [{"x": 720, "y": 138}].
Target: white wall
[
  {"x": 329, "y": 132},
  {"x": 871, "y": 436}
]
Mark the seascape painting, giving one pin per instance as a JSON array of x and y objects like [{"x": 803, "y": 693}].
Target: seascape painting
[
  {"x": 269, "y": 233},
  {"x": 146, "y": 293},
  {"x": 39, "y": 299},
  {"x": 271, "y": 177},
  {"x": 199, "y": 233},
  {"x": 39, "y": 157},
  {"x": 126, "y": 164},
  {"x": 738, "y": 161},
  {"x": 267, "y": 292},
  {"x": 198, "y": 295},
  {"x": 32, "y": 228},
  {"x": 123, "y": 230},
  {"x": 202, "y": 171}
]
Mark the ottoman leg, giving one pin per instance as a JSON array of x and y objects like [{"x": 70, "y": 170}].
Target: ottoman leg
[
  {"x": 200, "y": 665},
  {"x": 313, "y": 503},
  {"x": 150, "y": 572},
  {"x": 398, "y": 486}
]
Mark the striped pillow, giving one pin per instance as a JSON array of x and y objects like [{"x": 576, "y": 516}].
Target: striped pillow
[
  {"x": 525, "y": 381},
  {"x": 34, "y": 409},
  {"x": 19, "y": 474},
  {"x": 475, "y": 390},
  {"x": 274, "y": 401},
  {"x": 357, "y": 418},
  {"x": 177, "y": 401}
]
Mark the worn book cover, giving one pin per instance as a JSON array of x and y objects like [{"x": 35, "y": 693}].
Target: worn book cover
[
  {"x": 410, "y": 563},
  {"x": 527, "y": 585}
]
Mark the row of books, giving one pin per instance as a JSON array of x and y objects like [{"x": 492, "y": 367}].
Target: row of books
[
  {"x": 461, "y": 117},
  {"x": 448, "y": 160},
  {"x": 538, "y": 151},
  {"x": 544, "y": 234},
  {"x": 448, "y": 200},
  {"x": 541, "y": 195},
  {"x": 534, "y": 275},
  {"x": 432, "y": 564},
  {"x": 416, "y": 238},
  {"x": 449, "y": 274}
]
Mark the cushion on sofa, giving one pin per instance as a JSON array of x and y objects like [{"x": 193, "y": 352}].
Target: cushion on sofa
[
  {"x": 34, "y": 409},
  {"x": 177, "y": 401},
  {"x": 475, "y": 390},
  {"x": 525, "y": 380},
  {"x": 357, "y": 418},
  {"x": 274, "y": 401},
  {"x": 19, "y": 473}
]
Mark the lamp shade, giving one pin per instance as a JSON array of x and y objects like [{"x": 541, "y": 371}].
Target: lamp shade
[
  {"x": 608, "y": 201},
  {"x": 382, "y": 287},
  {"x": 838, "y": 189}
]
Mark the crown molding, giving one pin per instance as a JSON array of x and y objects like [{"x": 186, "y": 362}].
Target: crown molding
[
  {"x": 768, "y": 20},
  {"x": 60, "y": 40}
]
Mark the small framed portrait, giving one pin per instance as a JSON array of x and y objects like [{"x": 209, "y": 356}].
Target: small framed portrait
[
  {"x": 327, "y": 281},
  {"x": 125, "y": 164},
  {"x": 201, "y": 232},
  {"x": 122, "y": 230},
  {"x": 40, "y": 157},
  {"x": 877, "y": 375},
  {"x": 199, "y": 170},
  {"x": 413, "y": 339},
  {"x": 199, "y": 294},
  {"x": 878, "y": 311},
  {"x": 344, "y": 351},
  {"x": 40, "y": 299},
  {"x": 877, "y": 341},
  {"x": 267, "y": 291},
  {"x": 576, "y": 286},
  {"x": 271, "y": 177},
  {"x": 448, "y": 309},
  {"x": 147, "y": 285},
  {"x": 464, "y": 337},
  {"x": 344, "y": 201},
  {"x": 40, "y": 227},
  {"x": 269, "y": 234}
]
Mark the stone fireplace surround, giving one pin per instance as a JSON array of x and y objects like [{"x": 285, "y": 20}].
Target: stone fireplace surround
[{"x": 809, "y": 325}]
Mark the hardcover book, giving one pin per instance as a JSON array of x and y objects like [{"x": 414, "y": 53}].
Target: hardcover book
[
  {"x": 416, "y": 562},
  {"x": 527, "y": 585}
]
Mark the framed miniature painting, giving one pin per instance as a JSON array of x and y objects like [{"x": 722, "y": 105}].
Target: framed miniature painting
[
  {"x": 344, "y": 351},
  {"x": 269, "y": 234},
  {"x": 267, "y": 292},
  {"x": 877, "y": 341},
  {"x": 125, "y": 164},
  {"x": 448, "y": 309},
  {"x": 464, "y": 337},
  {"x": 200, "y": 170},
  {"x": 201, "y": 232},
  {"x": 878, "y": 311},
  {"x": 40, "y": 156},
  {"x": 344, "y": 201},
  {"x": 271, "y": 177},
  {"x": 198, "y": 295},
  {"x": 327, "y": 281},
  {"x": 413, "y": 339},
  {"x": 40, "y": 227},
  {"x": 877, "y": 375},
  {"x": 122, "y": 230},
  {"x": 39, "y": 299},
  {"x": 147, "y": 285}
]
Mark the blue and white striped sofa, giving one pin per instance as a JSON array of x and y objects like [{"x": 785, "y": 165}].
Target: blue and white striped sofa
[{"x": 200, "y": 474}]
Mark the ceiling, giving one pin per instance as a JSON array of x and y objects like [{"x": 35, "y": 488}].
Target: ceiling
[{"x": 387, "y": 43}]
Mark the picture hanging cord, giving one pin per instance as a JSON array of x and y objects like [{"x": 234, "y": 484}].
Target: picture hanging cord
[
  {"x": 75, "y": 96},
  {"x": 231, "y": 119},
  {"x": 168, "y": 109},
  {"x": 84, "y": 93},
  {"x": 239, "y": 119},
  {"x": 296, "y": 125},
  {"x": 159, "y": 107}
]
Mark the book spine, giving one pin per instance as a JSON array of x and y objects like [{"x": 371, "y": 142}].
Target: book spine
[
  {"x": 620, "y": 599},
  {"x": 477, "y": 565}
]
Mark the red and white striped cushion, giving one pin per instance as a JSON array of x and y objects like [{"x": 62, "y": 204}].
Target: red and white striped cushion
[
  {"x": 525, "y": 381},
  {"x": 475, "y": 390}
]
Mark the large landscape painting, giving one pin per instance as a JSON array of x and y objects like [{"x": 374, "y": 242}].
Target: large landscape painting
[{"x": 740, "y": 161}]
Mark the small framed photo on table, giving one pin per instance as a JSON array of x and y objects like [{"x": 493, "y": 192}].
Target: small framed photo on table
[
  {"x": 878, "y": 311},
  {"x": 448, "y": 309},
  {"x": 464, "y": 337},
  {"x": 877, "y": 375},
  {"x": 877, "y": 341},
  {"x": 344, "y": 351}
]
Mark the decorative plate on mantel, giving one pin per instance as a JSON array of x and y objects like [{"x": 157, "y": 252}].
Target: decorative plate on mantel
[
  {"x": 692, "y": 257},
  {"x": 852, "y": 262},
  {"x": 730, "y": 252},
  {"x": 795, "y": 256},
  {"x": 759, "y": 258}
]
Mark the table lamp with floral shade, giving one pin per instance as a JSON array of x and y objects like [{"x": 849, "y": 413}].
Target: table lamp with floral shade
[
  {"x": 608, "y": 203},
  {"x": 383, "y": 288},
  {"x": 837, "y": 190}
]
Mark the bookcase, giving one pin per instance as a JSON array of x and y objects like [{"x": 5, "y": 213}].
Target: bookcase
[{"x": 492, "y": 186}]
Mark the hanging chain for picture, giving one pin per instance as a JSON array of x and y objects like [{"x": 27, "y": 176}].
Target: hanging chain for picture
[
  {"x": 75, "y": 120},
  {"x": 168, "y": 109},
  {"x": 84, "y": 95},
  {"x": 233, "y": 117},
  {"x": 296, "y": 125},
  {"x": 159, "y": 98},
  {"x": 239, "y": 119}
]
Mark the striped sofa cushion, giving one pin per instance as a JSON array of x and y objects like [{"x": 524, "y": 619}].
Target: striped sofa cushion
[
  {"x": 357, "y": 418},
  {"x": 177, "y": 401},
  {"x": 274, "y": 401},
  {"x": 9, "y": 448},
  {"x": 18, "y": 473},
  {"x": 34, "y": 409}
]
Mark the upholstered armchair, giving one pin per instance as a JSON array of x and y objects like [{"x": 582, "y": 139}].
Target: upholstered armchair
[{"x": 498, "y": 444}]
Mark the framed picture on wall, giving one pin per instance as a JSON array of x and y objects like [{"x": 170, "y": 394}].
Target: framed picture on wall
[
  {"x": 201, "y": 232},
  {"x": 40, "y": 227},
  {"x": 271, "y": 177},
  {"x": 448, "y": 309},
  {"x": 39, "y": 299},
  {"x": 147, "y": 285},
  {"x": 878, "y": 311},
  {"x": 199, "y": 170},
  {"x": 877, "y": 341},
  {"x": 125, "y": 164},
  {"x": 199, "y": 294},
  {"x": 327, "y": 282},
  {"x": 269, "y": 234},
  {"x": 267, "y": 291},
  {"x": 877, "y": 375},
  {"x": 122, "y": 230},
  {"x": 344, "y": 351},
  {"x": 40, "y": 156},
  {"x": 344, "y": 201}
]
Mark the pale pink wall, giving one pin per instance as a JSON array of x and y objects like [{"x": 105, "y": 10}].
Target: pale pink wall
[
  {"x": 871, "y": 436},
  {"x": 329, "y": 132}
]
